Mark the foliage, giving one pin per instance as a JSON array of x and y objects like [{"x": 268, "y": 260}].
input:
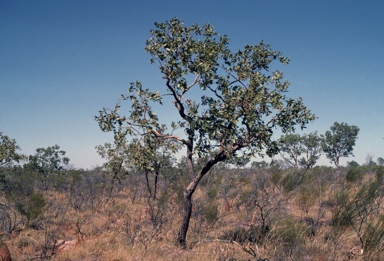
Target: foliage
[
  {"x": 292, "y": 146},
  {"x": 32, "y": 206},
  {"x": 238, "y": 211},
  {"x": 311, "y": 144},
  {"x": 149, "y": 155},
  {"x": 8, "y": 150},
  {"x": 358, "y": 212},
  {"x": 354, "y": 174},
  {"x": 115, "y": 155},
  {"x": 339, "y": 141},
  {"x": 47, "y": 161},
  {"x": 352, "y": 164},
  {"x": 228, "y": 104},
  {"x": 380, "y": 161}
]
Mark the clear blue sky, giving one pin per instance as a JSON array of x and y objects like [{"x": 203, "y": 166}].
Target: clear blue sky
[{"x": 62, "y": 61}]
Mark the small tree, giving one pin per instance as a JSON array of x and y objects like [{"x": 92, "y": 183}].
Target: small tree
[
  {"x": 8, "y": 150},
  {"x": 311, "y": 148},
  {"x": 47, "y": 161},
  {"x": 352, "y": 164},
  {"x": 228, "y": 104},
  {"x": 293, "y": 146},
  {"x": 152, "y": 155},
  {"x": 149, "y": 154},
  {"x": 115, "y": 155},
  {"x": 380, "y": 161},
  {"x": 290, "y": 148},
  {"x": 339, "y": 141}
]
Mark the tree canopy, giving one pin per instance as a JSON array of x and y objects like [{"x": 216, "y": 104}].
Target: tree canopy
[
  {"x": 300, "y": 150},
  {"x": 8, "y": 150},
  {"x": 339, "y": 141},
  {"x": 228, "y": 104},
  {"x": 48, "y": 159}
]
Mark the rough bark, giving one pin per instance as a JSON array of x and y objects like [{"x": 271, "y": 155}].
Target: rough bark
[{"x": 187, "y": 199}]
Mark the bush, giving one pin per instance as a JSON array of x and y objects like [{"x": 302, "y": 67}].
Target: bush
[
  {"x": 241, "y": 235},
  {"x": 32, "y": 207},
  {"x": 210, "y": 212},
  {"x": 354, "y": 175},
  {"x": 307, "y": 197},
  {"x": 292, "y": 180}
]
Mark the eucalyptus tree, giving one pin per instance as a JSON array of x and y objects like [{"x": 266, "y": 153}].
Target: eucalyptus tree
[
  {"x": 380, "y": 161},
  {"x": 311, "y": 149},
  {"x": 226, "y": 103},
  {"x": 300, "y": 150},
  {"x": 115, "y": 155},
  {"x": 339, "y": 141},
  {"x": 9, "y": 150},
  {"x": 149, "y": 154},
  {"x": 290, "y": 148},
  {"x": 46, "y": 162}
]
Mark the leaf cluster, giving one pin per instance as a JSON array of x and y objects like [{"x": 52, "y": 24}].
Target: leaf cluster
[
  {"x": 8, "y": 150},
  {"x": 339, "y": 141},
  {"x": 303, "y": 150},
  {"x": 226, "y": 101}
]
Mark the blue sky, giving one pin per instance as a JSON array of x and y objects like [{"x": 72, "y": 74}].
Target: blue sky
[{"x": 62, "y": 61}]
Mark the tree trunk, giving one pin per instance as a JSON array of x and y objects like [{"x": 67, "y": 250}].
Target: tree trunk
[
  {"x": 187, "y": 208},
  {"x": 186, "y": 215},
  {"x": 155, "y": 188},
  {"x": 187, "y": 199},
  {"x": 148, "y": 185}
]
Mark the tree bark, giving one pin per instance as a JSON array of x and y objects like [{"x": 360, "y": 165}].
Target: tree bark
[
  {"x": 187, "y": 199},
  {"x": 155, "y": 188},
  {"x": 187, "y": 211}
]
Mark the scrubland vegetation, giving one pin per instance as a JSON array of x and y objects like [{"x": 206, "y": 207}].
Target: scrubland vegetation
[
  {"x": 258, "y": 213},
  {"x": 145, "y": 204}
]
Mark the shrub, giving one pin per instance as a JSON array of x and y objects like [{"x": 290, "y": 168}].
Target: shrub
[
  {"x": 32, "y": 207},
  {"x": 210, "y": 212},
  {"x": 354, "y": 175},
  {"x": 292, "y": 180},
  {"x": 307, "y": 197}
]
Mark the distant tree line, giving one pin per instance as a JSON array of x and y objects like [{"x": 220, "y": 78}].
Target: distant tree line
[{"x": 304, "y": 150}]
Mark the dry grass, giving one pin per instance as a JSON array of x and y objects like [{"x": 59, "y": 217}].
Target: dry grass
[{"x": 299, "y": 225}]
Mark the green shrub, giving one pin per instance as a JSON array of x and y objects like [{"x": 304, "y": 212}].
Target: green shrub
[
  {"x": 341, "y": 197},
  {"x": 210, "y": 212},
  {"x": 292, "y": 180},
  {"x": 380, "y": 174},
  {"x": 354, "y": 175},
  {"x": 307, "y": 197},
  {"x": 290, "y": 232},
  {"x": 32, "y": 207},
  {"x": 276, "y": 176}
]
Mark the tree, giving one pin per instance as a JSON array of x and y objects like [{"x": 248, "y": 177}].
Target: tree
[
  {"x": 228, "y": 104},
  {"x": 293, "y": 146},
  {"x": 353, "y": 164},
  {"x": 115, "y": 155},
  {"x": 47, "y": 161},
  {"x": 290, "y": 148},
  {"x": 8, "y": 150},
  {"x": 311, "y": 148},
  {"x": 150, "y": 154},
  {"x": 380, "y": 161},
  {"x": 260, "y": 164},
  {"x": 339, "y": 141}
]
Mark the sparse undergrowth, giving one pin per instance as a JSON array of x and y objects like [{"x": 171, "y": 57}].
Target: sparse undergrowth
[{"x": 239, "y": 214}]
